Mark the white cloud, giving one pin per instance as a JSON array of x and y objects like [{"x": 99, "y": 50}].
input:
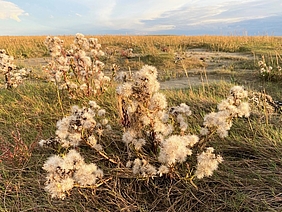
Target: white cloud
[
  {"x": 136, "y": 16},
  {"x": 126, "y": 14},
  {"x": 151, "y": 16},
  {"x": 211, "y": 14},
  {"x": 160, "y": 27},
  {"x": 9, "y": 10}
]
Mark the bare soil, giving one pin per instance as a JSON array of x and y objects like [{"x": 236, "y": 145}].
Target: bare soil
[{"x": 219, "y": 66}]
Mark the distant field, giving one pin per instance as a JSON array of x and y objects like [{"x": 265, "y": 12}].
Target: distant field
[{"x": 32, "y": 46}]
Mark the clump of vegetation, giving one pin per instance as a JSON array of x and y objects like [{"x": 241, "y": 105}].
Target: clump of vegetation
[
  {"x": 157, "y": 137},
  {"x": 77, "y": 70},
  {"x": 269, "y": 73},
  {"x": 13, "y": 76}
]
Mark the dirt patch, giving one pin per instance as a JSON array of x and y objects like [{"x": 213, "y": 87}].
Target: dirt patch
[
  {"x": 185, "y": 82},
  {"x": 220, "y": 60},
  {"x": 219, "y": 66},
  {"x": 33, "y": 63}
]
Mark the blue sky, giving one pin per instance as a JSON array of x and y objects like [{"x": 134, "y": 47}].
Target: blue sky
[{"x": 144, "y": 17}]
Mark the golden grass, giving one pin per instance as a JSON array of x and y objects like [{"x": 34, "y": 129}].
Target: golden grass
[
  {"x": 33, "y": 46},
  {"x": 249, "y": 179}
]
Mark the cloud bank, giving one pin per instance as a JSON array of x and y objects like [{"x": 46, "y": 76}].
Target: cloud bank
[
  {"x": 223, "y": 15},
  {"x": 188, "y": 17},
  {"x": 9, "y": 10}
]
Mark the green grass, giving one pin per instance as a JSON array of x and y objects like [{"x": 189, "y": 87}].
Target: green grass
[{"x": 249, "y": 179}]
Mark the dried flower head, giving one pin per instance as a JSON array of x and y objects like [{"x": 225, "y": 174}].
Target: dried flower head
[
  {"x": 207, "y": 163},
  {"x": 78, "y": 69},
  {"x": 13, "y": 76},
  {"x": 143, "y": 168},
  {"x": 176, "y": 148},
  {"x": 83, "y": 125},
  {"x": 64, "y": 172},
  {"x": 229, "y": 108}
]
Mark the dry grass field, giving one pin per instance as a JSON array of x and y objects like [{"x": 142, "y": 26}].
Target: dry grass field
[{"x": 196, "y": 70}]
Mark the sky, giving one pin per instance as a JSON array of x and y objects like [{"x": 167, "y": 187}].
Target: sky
[{"x": 141, "y": 17}]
